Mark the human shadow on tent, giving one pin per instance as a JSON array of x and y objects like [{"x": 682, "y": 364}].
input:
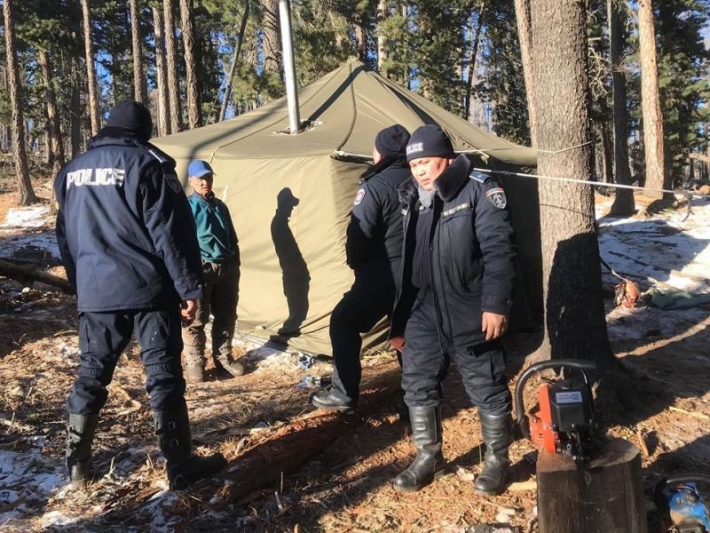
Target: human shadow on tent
[{"x": 295, "y": 275}]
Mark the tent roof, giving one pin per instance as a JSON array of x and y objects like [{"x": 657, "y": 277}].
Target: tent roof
[{"x": 344, "y": 111}]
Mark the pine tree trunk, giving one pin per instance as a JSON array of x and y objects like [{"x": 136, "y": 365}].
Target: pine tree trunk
[
  {"x": 624, "y": 204},
  {"x": 476, "y": 39},
  {"x": 574, "y": 309},
  {"x": 271, "y": 46},
  {"x": 26, "y": 194},
  {"x": 382, "y": 44},
  {"x": 522, "y": 14},
  {"x": 360, "y": 42},
  {"x": 175, "y": 115},
  {"x": 75, "y": 107},
  {"x": 235, "y": 62},
  {"x": 607, "y": 153},
  {"x": 650, "y": 103},
  {"x": 188, "y": 42},
  {"x": 54, "y": 128},
  {"x": 139, "y": 87},
  {"x": 161, "y": 75},
  {"x": 90, "y": 70}
]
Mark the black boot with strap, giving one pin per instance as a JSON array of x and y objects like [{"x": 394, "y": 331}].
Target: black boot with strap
[{"x": 429, "y": 463}]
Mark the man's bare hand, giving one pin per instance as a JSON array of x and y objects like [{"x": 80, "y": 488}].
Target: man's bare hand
[
  {"x": 188, "y": 309},
  {"x": 493, "y": 324},
  {"x": 397, "y": 343}
]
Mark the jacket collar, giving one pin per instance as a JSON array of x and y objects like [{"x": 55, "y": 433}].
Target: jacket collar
[
  {"x": 448, "y": 185},
  {"x": 453, "y": 179}
]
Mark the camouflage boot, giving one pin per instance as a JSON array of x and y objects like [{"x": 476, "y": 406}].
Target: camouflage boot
[
  {"x": 222, "y": 351},
  {"x": 194, "y": 364}
]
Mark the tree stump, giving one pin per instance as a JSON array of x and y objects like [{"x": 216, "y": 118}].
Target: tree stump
[{"x": 602, "y": 496}]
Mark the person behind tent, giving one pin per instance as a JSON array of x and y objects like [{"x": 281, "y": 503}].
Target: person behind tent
[
  {"x": 219, "y": 249},
  {"x": 454, "y": 302},
  {"x": 373, "y": 249},
  {"x": 128, "y": 245}
]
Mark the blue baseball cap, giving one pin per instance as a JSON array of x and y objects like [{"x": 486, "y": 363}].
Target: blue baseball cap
[{"x": 198, "y": 168}]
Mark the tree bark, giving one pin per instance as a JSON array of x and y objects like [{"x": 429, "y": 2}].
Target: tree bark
[
  {"x": 75, "y": 108},
  {"x": 522, "y": 15},
  {"x": 271, "y": 44},
  {"x": 139, "y": 86},
  {"x": 188, "y": 42},
  {"x": 575, "y": 324},
  {"x": 472, "y": 60},
  {"x": 382, "y": 45},
  {"x": 161, "y": 74},
  {"x": 26, "y": 194},
  {"x": 175, "y": 113},
  {"x": 624, "y": 204},
  {"x": 651, "y": 103},
  {"x": 90, "y": 69},
  {"x": 235, "y": 62},
  {"x": 54, "y": 128}
]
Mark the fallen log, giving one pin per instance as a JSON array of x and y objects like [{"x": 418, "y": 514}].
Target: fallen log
[
  {"x": 287, "y": 448},
  {"x": 25, "y": 273}
]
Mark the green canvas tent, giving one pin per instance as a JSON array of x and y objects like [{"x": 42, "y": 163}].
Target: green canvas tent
[{"x": 290, "y": 195}]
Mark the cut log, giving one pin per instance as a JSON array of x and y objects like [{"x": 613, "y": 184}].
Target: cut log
[
  {"x": 286, "y": 449},
  {"x": 604, "y": 496},
  {"x": 25, "y": 273}
]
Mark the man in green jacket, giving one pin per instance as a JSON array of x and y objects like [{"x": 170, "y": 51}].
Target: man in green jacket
[{"x": 219, "y": 249}]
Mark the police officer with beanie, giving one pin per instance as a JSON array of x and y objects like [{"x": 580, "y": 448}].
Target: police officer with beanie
[
  {"x": 219, "y": 248},
  {"x": 127, "y": 241},
  {"x": 454, "y": 303},
  {"x": 373, "y": 250}
]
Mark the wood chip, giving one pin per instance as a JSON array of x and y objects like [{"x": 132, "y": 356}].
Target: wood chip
[{"x": 530, "y": 484}]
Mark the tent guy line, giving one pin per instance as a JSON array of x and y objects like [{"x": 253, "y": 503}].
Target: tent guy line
[{"x": 687, "y": 194}]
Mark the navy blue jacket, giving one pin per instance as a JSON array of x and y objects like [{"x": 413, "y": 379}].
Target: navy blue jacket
[
  {"x": 374, "y": 235},
  {"x": 124, "y": 228},
  {"x": 472, "y": 254}
]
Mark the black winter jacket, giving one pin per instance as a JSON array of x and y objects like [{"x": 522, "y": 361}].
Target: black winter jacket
[
  {"x": 472, "y": 254},
  {"x": 124, "y": 228},
  {"x": 374, "y": 235}
]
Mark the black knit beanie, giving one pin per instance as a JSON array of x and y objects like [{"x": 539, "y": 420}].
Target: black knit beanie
[
  {"x": 392, "y": 141},
  {"x": 133, "y": 117},
  {"x": 429, "y": 141}
]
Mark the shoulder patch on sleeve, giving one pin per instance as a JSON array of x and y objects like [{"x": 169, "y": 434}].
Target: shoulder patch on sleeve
[
  {"x": 479, "y": 176},
  {"x": 496, "y": 196},
  {"x": 360, "y": 196},
  {"x": 172, "y": 182}
]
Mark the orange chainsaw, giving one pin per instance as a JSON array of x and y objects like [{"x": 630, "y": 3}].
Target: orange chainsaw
[{"x": 563, "y": 420}]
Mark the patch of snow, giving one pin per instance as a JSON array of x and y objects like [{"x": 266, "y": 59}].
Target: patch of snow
[
  {"x": 28, "y": 217},
  {"x": 14, "y": 243}
]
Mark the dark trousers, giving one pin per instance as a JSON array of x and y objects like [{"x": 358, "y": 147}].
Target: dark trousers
[
  {"x": 369, "y": 300},
  {"x": 102, "y": 338},
  {"x": 220, "y": 299},
  {"x": 425, "y": 366}
]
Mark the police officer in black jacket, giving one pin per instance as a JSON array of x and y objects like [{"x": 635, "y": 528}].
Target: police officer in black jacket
[
  {"x": 127, "y": 241},
  {"x": 373, "y": 250},
  {"x": 456, "y": 290}
]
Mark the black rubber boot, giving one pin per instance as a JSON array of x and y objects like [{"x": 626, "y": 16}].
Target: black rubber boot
[
  {"x": 329, "y": 400},
  {"x": 497, "y": 436},
  {"x": 184, "y": 469},
  {"x": 429, "y": 463},
  {"x": 80, "y": 436}
]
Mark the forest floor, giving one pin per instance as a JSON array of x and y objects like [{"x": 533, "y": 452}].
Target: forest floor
[{"x": 348, "y": 486}]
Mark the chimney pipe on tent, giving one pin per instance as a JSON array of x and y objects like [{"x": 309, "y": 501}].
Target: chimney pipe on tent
[{"x": 294, "y": 120}]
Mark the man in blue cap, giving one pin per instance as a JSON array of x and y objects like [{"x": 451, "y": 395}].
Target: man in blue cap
[{"x": 219, "y": 249}]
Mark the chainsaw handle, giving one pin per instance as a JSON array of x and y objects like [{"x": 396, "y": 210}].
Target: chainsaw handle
[{"x": 579, "y": 364}]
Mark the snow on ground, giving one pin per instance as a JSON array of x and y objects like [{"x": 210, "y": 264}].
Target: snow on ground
[
  {"x": 670, "y": 251},
  {"x": 26, "y": 235}
]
